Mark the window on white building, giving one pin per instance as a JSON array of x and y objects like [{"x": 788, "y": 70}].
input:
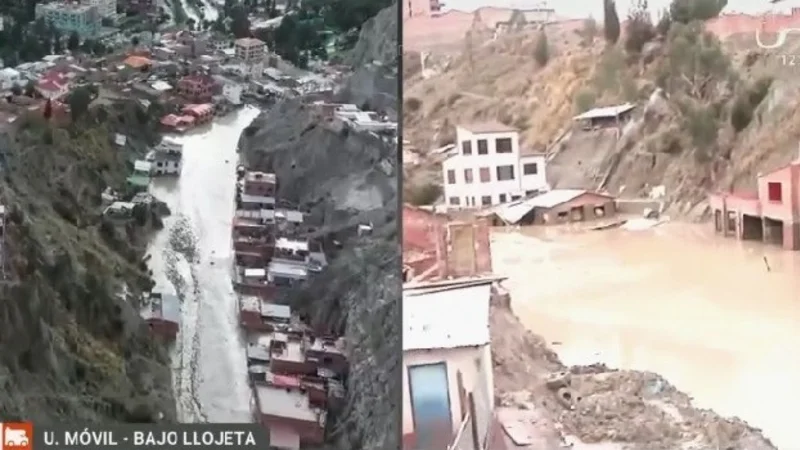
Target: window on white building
[
  {"x": 451, "y": 177},
  {"x": 486, "y": 200},
  {"x": 468, "y": 176},
  {"x": 530, "y": 169},
  {"x": 455, "y": 201},
  {"x": 485, "y": 175},
  {"x": 505, "y": 173},
  {"x": 503, "y": 145},
  {"x": 502, "y": 198},
  {"x": 466, "y": 147},
  {"x": 483, "y": 147}
]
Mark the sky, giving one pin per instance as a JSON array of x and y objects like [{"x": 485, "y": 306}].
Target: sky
[{"x": 594, "y": 8}]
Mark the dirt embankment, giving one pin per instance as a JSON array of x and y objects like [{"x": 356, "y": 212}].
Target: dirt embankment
[
  {"x": 629, "y": 409},
  {"x": 688, "y": 141},
  {"x": 72, "y": 345}
]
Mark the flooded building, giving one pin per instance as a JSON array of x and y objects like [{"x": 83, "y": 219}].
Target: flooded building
[
  {"x": 162, "y": 314},
  {"x": 447, "y": 364},
  {"x": 558, "y": 206},
  {"x": 487, "y": 167},
  {"x": 768, "y": 215},
  {"x": 436, "y": 246}
]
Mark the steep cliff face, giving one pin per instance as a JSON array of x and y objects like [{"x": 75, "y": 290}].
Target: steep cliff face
[
  {"x": 344, "y": 179},
  {"x": 72, "y": 345},
  {"x": 374, "y": 62}
]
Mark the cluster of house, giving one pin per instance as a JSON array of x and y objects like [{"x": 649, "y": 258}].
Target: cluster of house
[
  {"x": 296, "y": 373},
  {"x": 164, "y": 159}
]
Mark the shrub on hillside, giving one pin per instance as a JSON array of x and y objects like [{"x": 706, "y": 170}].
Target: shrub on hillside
[
  {"x": 685, "y": 11},
  {"x": 639, "y": 29},
  {"x": 741, "y": 114},
  {"x": 542, "y": 51},
  {"x": 585, "y": 100},
  {"x": 425, "y": 194}
]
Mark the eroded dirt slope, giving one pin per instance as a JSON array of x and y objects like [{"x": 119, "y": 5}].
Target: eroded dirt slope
[{"x": 683, "y": 140}]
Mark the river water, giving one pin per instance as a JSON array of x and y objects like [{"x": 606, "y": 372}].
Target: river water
[
  {"x": 209, "y": 364},
  {"x": 701, "y": 310}
]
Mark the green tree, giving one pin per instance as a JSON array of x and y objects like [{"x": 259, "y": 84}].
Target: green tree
[
  {"x": 685, "y": 11},
  {"x": 542, "y": 50},
  {"x": 639, "y": 29},
  {"x": 240, "y": 24},
  {"x": 135, "y": 41},
  {"x": 73, "y": 41},
  {"x": 79, "y": 101},
  {"x": 611, "y": 26},
  {"x": 16, "y": 90}
]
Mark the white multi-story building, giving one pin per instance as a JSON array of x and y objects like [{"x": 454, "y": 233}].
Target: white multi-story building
[
  {"x": 166, "y": 158},
  {"x": 250, "y": 50},
  {"x": 486, "y": 167}
]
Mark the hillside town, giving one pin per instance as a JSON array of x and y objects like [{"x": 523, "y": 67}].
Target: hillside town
[{"x": 149, "y": 113}]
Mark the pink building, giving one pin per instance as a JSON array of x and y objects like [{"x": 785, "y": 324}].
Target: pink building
[
  {"x": 424, "y": 8},
  {"x": 771, "y": 215}
]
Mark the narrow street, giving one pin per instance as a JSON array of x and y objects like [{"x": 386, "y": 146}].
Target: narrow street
[{"x": 192, "y": 254}]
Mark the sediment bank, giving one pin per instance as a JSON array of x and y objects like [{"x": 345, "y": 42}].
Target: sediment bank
[{"x": 625, "y": 409}]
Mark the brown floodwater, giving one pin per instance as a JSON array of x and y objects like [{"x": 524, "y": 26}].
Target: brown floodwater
[{"x": 701, "y": 310}]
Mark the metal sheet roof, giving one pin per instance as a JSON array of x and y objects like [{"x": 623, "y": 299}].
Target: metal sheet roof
[
  {"x": 606, "y": 111},
  {"x": 514, "y": 212},
  {"x": 429, "y": 322}
]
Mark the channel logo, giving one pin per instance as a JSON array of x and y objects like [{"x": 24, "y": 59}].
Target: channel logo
[{"x": 16, "y": 436}]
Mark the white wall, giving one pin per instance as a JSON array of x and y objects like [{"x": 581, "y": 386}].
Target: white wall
[
  {"x": 232, "y": 93},
  {"x": 475, "y": 364},
  {"x": 495, "y": 189},
  {"x": 534, "y": 182}
]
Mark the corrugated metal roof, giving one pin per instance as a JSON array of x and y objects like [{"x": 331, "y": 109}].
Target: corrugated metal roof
[
  {"x": 606, "y": 111},
  {"x": 514, "y": 212},
  {"x": 428, "y": 320}
]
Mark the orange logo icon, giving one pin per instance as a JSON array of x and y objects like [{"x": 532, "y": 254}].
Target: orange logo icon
[{"x": 16, "y": 436}]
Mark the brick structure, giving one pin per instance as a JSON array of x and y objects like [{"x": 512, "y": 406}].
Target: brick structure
[
  {"x": 436, "y": 247},
  {"x": 771, "y": 215}
]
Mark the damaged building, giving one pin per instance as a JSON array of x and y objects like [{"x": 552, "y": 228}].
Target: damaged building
[
  {"x": 558, "y": 206},
  {"x": 767, "y": 215}
]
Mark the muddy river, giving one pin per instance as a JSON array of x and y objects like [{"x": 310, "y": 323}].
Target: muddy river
[{"x": 703, "y": 311}]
